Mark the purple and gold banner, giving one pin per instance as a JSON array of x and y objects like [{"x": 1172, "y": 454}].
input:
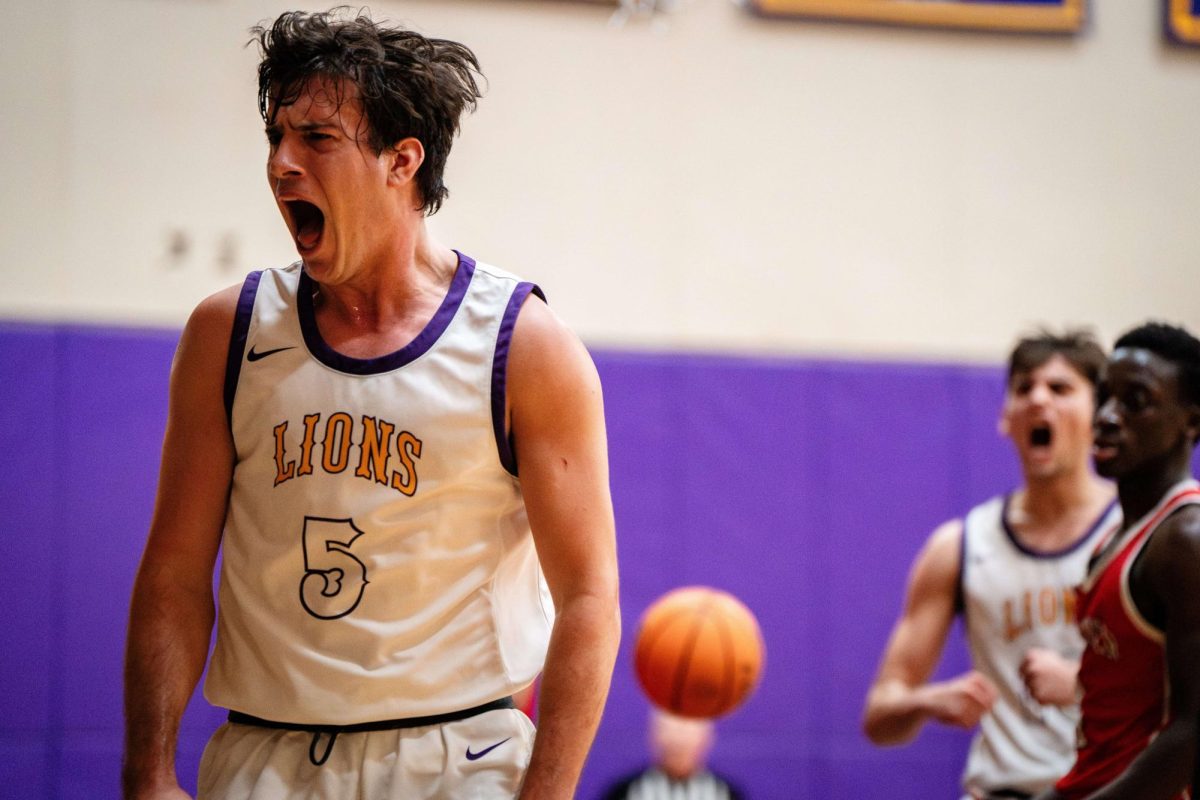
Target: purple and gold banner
[
  {"x": 1041, "y": 16},
  {"x": 1183, "y": 20}
]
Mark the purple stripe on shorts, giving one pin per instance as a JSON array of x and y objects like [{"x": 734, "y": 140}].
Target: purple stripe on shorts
[
  {"x": 237, "y": 341},
  {"x": 405, "y": 355},
  {"x": 500, "y": 371}
]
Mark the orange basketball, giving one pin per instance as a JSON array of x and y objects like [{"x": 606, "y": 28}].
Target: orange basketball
[{"x": 699, "y": 652}]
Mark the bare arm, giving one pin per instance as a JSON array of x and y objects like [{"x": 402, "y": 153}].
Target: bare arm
[
  {"x": 901, "y": 699},
  {"x": 171, "y": 613},
  {"x": 1170, "y": 575},
  {"x": 558, "y": 425}
]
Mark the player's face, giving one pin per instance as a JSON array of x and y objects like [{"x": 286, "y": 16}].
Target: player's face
[
  {"x": 1141, "y": 422},
  {"x": 1048, "y": 414},
  {"x": 328, "y": 182}
]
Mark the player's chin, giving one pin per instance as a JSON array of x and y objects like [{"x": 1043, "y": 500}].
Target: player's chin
[{"x": 1107, "y": 463}]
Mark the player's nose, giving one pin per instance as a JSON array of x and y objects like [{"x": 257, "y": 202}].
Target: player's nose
[
  {"x": 282, "y": 162},
  {"x": 1040, "y": 394},
  {"x": 1107, "y": 416}
]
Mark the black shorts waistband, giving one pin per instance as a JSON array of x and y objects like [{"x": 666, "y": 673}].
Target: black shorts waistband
[{"x": 239, "y": 718}]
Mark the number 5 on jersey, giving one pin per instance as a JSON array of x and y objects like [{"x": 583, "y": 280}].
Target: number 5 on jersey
[{"x": 334, "y": 580}]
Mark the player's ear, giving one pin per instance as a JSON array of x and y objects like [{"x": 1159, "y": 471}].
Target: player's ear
[
  {"x": 1002, "y": 426},
  {"x": 404, "y": 159},
  {"x": 1193, "y": 422}
]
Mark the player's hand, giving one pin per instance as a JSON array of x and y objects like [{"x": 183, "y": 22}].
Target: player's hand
[
  {"x": 963, "y": 700},
  {"x": 1051, "y": 679}
]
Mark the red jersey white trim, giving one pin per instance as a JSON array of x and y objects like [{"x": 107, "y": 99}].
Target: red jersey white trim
[{"x": 1123, "y": 671}]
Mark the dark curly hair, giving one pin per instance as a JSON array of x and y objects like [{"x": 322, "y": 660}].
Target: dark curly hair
[
  {"x": 408, "y": 84},
  {"x": 1173, "y": 343},
  {"x": 1079, "y": 347}
]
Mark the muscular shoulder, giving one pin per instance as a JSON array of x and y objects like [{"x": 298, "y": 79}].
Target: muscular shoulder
[
  {"x": 213, "y": 317},
  {"x": 1168, "y": 575},
  {"x": 1176, "y": 543},
  {"x": 546, "y": 358},
  {"x": 204, "y": 345},
  {"x": 943, "y": 548},
  {"x": 936, "y": 568}
]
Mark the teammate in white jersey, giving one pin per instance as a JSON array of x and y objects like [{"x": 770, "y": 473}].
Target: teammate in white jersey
[
  {"x": 1009, "y": 567},
  {"x": 402, "y": 457}
]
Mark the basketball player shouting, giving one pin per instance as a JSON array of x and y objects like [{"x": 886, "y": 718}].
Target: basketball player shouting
[
  {"x": 1139, "y": 607},
  {"x": 1009, "y": 567},
  {"x": 353, "y": 446}
]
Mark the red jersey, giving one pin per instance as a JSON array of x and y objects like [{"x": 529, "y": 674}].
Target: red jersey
[{"x": 1123, "y": 670}]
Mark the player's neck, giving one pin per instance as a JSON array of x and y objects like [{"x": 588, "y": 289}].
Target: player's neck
[
  {"x": 1143, "y": 490},
  {"x": 1053, "y": 512},
  {"x": 409, "y": 274},
  {"x": 383, "y": 306}
]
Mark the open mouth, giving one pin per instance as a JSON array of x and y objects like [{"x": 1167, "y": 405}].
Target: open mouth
[
  {"x": 308, "y": 221},
  {"x": 1041, "y": 436}
]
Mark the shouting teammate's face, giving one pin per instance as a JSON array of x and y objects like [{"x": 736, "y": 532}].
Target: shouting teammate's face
[
  {"x": 333, "y": 189},
  {"x": 1048, "y": 414}
]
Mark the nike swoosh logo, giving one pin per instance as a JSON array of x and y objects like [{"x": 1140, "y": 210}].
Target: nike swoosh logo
[
  {"x": 473, "y": 756},
  {"x": 253, "y": 356}
]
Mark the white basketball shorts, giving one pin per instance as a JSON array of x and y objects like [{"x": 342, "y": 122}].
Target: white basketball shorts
[{"x": 483, "y": 756}]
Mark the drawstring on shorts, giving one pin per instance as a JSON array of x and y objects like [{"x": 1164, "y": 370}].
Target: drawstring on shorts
[{"x": 312, "y": 748}]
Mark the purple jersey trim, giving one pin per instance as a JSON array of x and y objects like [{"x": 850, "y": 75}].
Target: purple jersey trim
[
  {"x": 1012, "y": 536},
  {"x": 405, "y": 355},
  {"x": 237, "y": 340},
  {"x": 500, "y": 372}
]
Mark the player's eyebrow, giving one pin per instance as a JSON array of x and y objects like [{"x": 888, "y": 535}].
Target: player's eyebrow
[
  {"x": 303, "y": 127},
  {"x": 315, "y": 126}
]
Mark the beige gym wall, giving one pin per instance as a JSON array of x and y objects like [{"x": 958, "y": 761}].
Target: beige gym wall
[{"x": 713, "y": 181}]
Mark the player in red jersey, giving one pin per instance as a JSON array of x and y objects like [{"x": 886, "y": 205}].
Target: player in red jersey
[{"x": 1139, "y": 607}]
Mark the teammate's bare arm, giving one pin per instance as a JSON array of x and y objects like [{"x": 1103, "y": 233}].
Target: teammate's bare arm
[
  {"x": 172, "y": 610},
  {"x": 557, "y": 420},
  {"x": 1167, "y": 577},
  {"x": 901, "y": 699}
]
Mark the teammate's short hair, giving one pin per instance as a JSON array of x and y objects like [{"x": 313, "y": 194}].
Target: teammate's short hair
[
  {"x": 1175, "y": 344},
  {"x": 408, "y": 84},
  {"x": 1077, "y": 346}
]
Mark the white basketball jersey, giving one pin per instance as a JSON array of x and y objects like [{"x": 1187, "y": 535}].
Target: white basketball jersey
[
  {"x": 1016, "y": 599},
  {"x": 377, "y": 560}
]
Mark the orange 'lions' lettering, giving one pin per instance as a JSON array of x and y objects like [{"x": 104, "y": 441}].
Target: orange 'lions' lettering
[
  {"x": 378, "y": 444},
  {"x": 1046, "y": 607}
]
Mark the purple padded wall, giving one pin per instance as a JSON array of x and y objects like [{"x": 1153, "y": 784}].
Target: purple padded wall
[
  {"x": 803, "y": 486},
  {"x": 79, "y": 441},
  {"x": 30, "y": 448}
]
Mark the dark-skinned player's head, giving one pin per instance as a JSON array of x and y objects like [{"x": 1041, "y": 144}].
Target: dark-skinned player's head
[
  {"x": 409, "y": 85},
  {"x": 1149, "y": 412}
]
